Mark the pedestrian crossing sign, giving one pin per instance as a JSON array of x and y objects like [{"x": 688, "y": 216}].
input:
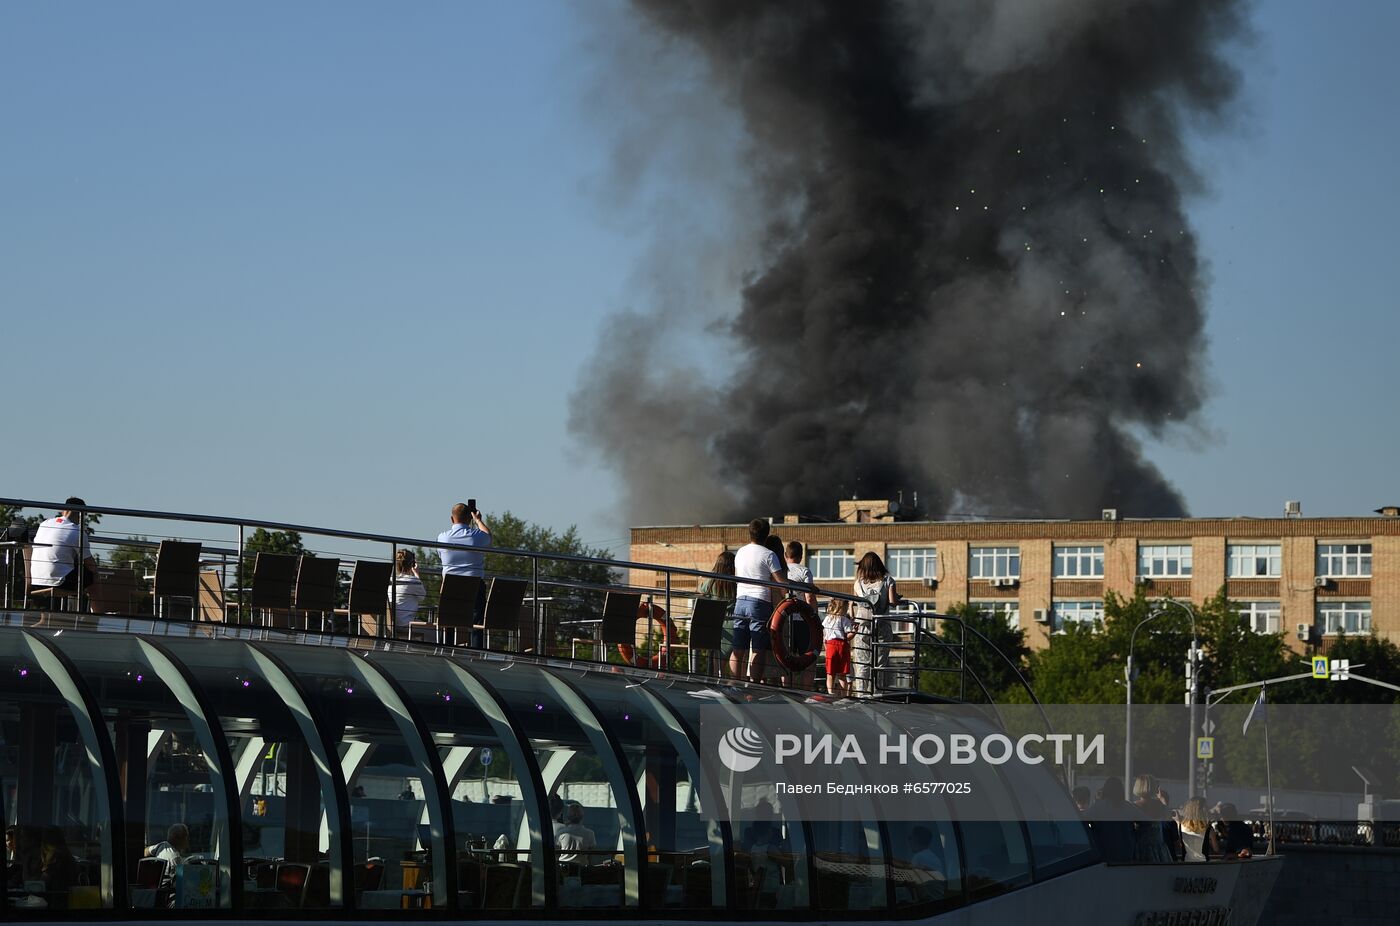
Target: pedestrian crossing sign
[
  {"x": 1320, "y": 667},
  {"x": 1205, "y": 747}
]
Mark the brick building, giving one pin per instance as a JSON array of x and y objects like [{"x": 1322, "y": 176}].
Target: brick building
[{"x": 1334, "y": 574}]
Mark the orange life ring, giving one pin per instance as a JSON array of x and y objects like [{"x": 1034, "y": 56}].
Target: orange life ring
[
  {"x": 794, "y": 607},
  {"x": 657, "y": 615}
]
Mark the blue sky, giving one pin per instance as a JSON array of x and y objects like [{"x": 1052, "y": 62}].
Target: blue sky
[{"x": 341, "y": 263}]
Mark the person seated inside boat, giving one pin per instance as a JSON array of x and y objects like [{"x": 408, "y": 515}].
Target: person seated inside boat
[
  {"x": 58, "y": 870},
  {"x": 766, "y": 849},
  {"x": 174, "y": 847},
  {"x": 574, "y": 839},
  {"x": 926, "y": 859}
]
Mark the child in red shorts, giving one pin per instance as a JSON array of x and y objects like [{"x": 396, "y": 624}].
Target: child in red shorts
[{"x": 837, "y": 631}]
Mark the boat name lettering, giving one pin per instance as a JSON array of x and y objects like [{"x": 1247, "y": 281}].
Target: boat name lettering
[
  {"x": 1206, "y": 916},
  {"x": 1199, "y": 885}
]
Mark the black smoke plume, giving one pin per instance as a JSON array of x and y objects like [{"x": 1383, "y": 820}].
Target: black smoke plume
[{"x": 975, "y": 279}]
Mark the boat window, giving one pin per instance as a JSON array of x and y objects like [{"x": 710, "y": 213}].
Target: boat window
[
  {"x": 292, "y": 850},
  {"x": 397, "y": 864},
  {"x": 925, "y": 862},
  {"x": 175, "y": 806},
  {"x": 1058, "y": 837},
  {"x": 591, "y": 799},
  {"x": 685, "y": 841},
  {"x": 55, "y": 790},
  {"x": 497, "y": 846}
]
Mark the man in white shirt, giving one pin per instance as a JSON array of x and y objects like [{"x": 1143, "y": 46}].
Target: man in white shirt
[
  {"x": 754, "y": 605},
  {"x": 175, "y": 846},
  {"x": 574, "y": 838},
  {"x": 59, "y": 546},
  {"x": 468, "y": 530}
]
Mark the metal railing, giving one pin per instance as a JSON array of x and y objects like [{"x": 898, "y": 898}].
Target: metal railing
[{"x": 898, "y": 667}]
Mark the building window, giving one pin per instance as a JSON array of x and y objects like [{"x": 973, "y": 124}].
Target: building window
[
  {"x": 1344, "y": 560},
  {"x": 1010, "y": 611},
  {"x": 1254, "y": 560},
  {"x": 1261, "y": 616},
  {"x": 912, "y": 562},
  {"x": 827, "y": 565},
  {"x": 995, "y": 562},
  {"x": 1075, "y": 612},
  {"x": 1344, "y": 616},
  {"x": 1079, "y": 562},
  {"x": 1164, "y": 562}
]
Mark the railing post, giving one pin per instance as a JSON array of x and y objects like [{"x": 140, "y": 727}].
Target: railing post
[
  {"x": 238, "y": 577},
  {"x": 82, "y": 538},
  {"x": 663, "y": 648},
  {"x": 392, "y": 627},
  {"x": 535, "y": 609}
]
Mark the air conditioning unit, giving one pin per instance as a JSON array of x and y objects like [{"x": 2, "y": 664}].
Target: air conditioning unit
[
  {"x": 1041, "y": 615},
  {"x": 930, "y": 582},
  {"x": 1110, "y": 514},
  {"x": 1292, "y": 509},
  {"x": 1005, "y": 583},
  {"x": 1322, "y": 582},
  {"x": 1304, "y": 632},
  {"x": 1144, "y": 581}
]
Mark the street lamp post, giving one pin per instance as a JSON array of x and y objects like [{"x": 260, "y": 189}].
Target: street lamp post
[{"x": 1128, "y": 675}]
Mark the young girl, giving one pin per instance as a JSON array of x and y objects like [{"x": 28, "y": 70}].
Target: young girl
[{"x": 837, "y": 631}]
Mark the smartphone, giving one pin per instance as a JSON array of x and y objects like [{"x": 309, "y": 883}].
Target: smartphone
[{"x": 471, "y": 505}]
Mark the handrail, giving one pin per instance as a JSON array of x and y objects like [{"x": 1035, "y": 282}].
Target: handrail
[
  {"x": 411, "y": 542},
  {"x": 922, "y": 636}
]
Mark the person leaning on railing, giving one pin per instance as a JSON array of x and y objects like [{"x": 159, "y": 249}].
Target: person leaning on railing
[{"x": 724, "y": 590}]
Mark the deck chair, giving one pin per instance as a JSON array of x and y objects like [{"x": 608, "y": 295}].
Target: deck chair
[
  {"x": 318, "y": 580},
  {"x": 619, "y": 620},
  {"x": 369, "y": 598},
  {"x": 706, "y": 630},
  {"x": 273, "y": 576},
  {"x": 42, "y": 594},
  {"x": 114, "y": 592},
  {"x": 211, "y": 597},
  {"x": 503, "y": 602},
  {"x": 177, "y": 575},
  {"x": 457, "y": 605}
]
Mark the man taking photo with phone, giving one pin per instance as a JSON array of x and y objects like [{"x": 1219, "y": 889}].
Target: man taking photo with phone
[{"x": 467, "y": 535}]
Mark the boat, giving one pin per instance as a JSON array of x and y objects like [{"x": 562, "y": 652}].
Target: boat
[{"x": 179, "y": 756}]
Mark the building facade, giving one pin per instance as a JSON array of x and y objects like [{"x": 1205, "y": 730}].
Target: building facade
[{"x": 1290, "y": 575}]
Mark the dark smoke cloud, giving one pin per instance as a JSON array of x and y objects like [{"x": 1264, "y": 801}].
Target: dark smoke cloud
[{"x": 976, "y": 279}]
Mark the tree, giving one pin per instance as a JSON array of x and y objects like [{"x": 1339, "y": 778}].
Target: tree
[
  {"x": 509, "y": 530},
  {"x": 990, "y": 665},
  {"x": 266, "y": 541},
  {"x": 137, "y": 557}
]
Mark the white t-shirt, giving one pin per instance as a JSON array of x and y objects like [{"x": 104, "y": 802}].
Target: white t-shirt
[
  {"x": 799, "y": 573},
  {"x": 836, "y": 626},
  {"x": 755, "y": 561},
  {"x": 55, "y": 552},
  {"x": 574, "y": 838},
  {"x": 406, "y": 592}
]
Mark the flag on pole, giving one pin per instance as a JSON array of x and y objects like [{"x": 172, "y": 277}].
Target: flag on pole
[{"x": 1256, "y": 711}]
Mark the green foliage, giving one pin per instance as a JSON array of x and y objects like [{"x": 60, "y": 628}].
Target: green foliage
[
  {"x": 142, "y": 559},
  {"x": 509, "y": 530},
  {"x": 266, "y": 541},
  {"x": 990, "y": 664}
]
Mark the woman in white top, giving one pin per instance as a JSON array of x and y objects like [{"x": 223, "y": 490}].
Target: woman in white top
[
  {"x": 406, "y": 590},
  {"x": 876, "y": 586}
]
